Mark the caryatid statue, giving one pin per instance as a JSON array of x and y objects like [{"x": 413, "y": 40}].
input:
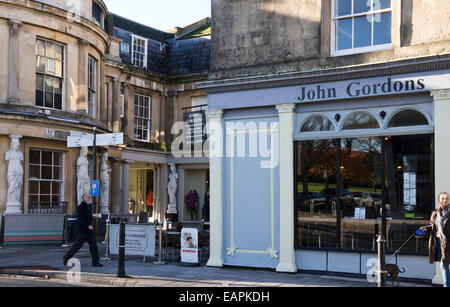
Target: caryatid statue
[
  {"x": 104, "y": 185},
  {"x": 172, "y": 189},
  {"x": 83, "y": 179},
  {"x": 14, "y": 175}
]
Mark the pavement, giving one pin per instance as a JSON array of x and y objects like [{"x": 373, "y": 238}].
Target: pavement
[{"x": 46, "y": 261}]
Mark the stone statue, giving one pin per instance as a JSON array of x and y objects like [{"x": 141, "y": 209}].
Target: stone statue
[
  {"x": 14, "y": 175},
  {"x": 172, "y": 189},
  {"x": 104, "y": 185},
  {"x": 83, "y": 179}
]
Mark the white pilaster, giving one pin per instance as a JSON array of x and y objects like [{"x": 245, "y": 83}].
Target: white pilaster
[
  {"x": 442, "y": 148},
  {"x": 216, "y": 187},
  {"x": 287, "y": 252}
]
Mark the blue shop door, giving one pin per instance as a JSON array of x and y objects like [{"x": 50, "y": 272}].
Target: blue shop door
[{"x": 251, "y": 207}]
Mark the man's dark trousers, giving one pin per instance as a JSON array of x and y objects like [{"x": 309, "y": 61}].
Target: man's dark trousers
[{"x": 83, "y": 237}]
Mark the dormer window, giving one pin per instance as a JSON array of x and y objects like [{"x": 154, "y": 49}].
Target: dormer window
[{"x": 139, "y": 51}]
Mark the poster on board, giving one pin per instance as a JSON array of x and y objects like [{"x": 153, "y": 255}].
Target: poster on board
[{"x": 189, "y": 245}]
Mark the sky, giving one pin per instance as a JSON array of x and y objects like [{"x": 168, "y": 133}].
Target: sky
[{"x": 161, "y": 14}]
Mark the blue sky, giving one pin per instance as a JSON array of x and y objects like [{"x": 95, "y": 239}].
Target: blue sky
[{"x": 161, "y": 14}]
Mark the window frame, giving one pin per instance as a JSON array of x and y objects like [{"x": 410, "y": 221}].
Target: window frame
[
  {"x": 138, "y": 118},
  {"x": 92, "y": 87},
  {"x": 335, "y": 52},
  {"x": 145, "y": 54},
  {"x": 60, "y": 181},
  {"x": 46, "y": 75}
]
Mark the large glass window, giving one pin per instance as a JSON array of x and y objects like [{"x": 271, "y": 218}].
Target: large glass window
[
  {"x": 46, "y": 179},
  {"x": 317, "y": 123},
  {"x": 361, "y": 25},
  {"x": 339, "y": 186},
  {"x": 408, "y": 118},
  {"x": 49, "y": 74}
]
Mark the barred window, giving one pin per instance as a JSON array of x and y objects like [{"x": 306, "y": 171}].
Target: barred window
[
  {"x": 49, "y": 74},
  {"x": 142, "y": 116}
]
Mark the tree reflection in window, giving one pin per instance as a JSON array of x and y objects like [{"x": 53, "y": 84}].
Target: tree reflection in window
[
  {"x": 316, "y": 124},
  {"x": 408, "y": 118},
  {"x": 361, "y": 120}
]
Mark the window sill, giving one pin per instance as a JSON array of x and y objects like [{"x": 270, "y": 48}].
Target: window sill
[{"x": 338, "y": 53}]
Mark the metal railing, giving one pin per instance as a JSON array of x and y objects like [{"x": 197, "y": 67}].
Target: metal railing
[{"x": 46, "y": 208}]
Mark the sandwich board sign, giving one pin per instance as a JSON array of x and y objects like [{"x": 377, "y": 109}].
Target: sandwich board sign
[{"x": 189, "y": 246}]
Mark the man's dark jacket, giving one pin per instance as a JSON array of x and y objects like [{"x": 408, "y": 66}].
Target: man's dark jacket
[{"x": 85, "y": 218}]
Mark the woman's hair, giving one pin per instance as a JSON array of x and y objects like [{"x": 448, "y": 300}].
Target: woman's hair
[{"x": 442, "y": 194}]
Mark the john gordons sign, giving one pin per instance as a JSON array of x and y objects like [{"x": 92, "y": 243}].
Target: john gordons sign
[{"x": 371, "y": 87}]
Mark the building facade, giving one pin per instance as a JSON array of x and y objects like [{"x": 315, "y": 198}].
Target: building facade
[
  {"x": 72, "y": 66},
  {"x": 323, "y": 109}
]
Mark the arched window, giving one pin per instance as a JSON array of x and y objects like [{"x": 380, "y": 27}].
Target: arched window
[
  {"x": 408, "y": 118},
  {"x": 361, "y": 120},
  {"x": 317, "y": 123}
]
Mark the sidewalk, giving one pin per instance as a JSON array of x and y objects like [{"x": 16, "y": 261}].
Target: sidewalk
[{"x": 47, "y": 261}]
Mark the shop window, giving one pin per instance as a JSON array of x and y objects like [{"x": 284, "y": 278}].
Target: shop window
[
  {"x": 361, "y": 26},
  {"x": 408, "y": 118},
  {"x": 345, "y": 214},
  {"x": 360, "y": 120},
  {"x": 316, "y": 124},
  {"x": 49, "y": 74},
  {"x": 45, "y": 179},
  {"x": 139, "y": 51},
  {"x": 142, "y": 115}
]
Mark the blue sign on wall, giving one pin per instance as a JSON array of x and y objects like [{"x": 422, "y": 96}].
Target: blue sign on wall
[{"x": 95, "y": 188}]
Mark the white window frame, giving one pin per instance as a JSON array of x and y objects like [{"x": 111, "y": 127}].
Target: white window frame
[
  {"x": 148, "y": 119},
  {"x": 373, "y": 48},
  {"x": 60, "y": 181},
  {"x": 92, "y": 87},
  {"x": 145, "y": 54}
]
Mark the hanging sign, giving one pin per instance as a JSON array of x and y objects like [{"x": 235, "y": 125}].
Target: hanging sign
[{"x": 189, "y": 245}]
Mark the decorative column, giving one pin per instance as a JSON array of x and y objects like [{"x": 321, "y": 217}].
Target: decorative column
[
  {"x": 116, "y": 105},
  {"x": 103, "y": 103},
  {"x": 287, "y": 252},
  {"x": 172, "y": 190},
  {"x": 82, "y": 76},
  {"x": 14, "y": 176},
  {"x": 216, "y": 187},
  {"x": 14, "y": 52},
  {"x": 442, "y": 147},
  {"x": 125, "y": 186},
  {"x": 162, "y": 121},
  {"x": 116, "y": 177},
  {"x": 125, "y": 128},
  {"x": 104, "y": 184}
]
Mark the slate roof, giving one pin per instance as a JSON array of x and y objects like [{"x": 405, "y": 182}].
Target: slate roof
[{"x": 140, "y": 29}]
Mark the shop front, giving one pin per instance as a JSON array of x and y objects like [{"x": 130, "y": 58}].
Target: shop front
[{"x": 340, "y": 144}]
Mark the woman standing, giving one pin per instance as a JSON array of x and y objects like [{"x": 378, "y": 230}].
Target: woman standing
[{"x": 440, "y": 234}]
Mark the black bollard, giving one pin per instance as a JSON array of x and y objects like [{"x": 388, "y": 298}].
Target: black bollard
[
  {"x": 382, "y": 274},
  {"x": 121, "y": 266}
]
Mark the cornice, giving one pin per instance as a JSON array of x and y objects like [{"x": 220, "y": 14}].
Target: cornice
[{"x": 364, "y": 71}]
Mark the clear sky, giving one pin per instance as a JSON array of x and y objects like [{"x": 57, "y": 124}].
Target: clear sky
[{"x": 161, "y": 14}]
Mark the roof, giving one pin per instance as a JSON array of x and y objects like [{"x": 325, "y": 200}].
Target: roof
[{"x": 140, "y": 29}]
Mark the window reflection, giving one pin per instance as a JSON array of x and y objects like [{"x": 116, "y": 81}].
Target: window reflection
[
  {"x": 408, "y": 118},
  {"x": 361, "y": 120},
  {"x": 317, "y": 123},
  {"x": 353, "y": 220}
]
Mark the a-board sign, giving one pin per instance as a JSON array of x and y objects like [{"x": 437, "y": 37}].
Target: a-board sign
[
  {"x": 139, "y": 240},
  {"x": 189, "y": 245}
]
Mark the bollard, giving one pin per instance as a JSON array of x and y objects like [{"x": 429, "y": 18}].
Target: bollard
[
  {"x": 66, "y": 244},
  {"x": 160, "y": 246},
  {"x": 382, "y": 274},
  {"x": 2, "y": 233},
  {"x": 107, "y": 258},
  {"x": 121, "y": 265}
]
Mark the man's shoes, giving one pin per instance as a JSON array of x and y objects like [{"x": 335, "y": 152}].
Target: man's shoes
[{"x": 97, "y": 265}]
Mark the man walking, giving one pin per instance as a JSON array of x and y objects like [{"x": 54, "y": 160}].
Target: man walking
[{"x": 86, "y": 232}]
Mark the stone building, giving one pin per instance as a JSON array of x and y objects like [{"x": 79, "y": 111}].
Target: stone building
[
  {"x": 326, "y": 108},
  {"x": 72, "y": 66}
]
